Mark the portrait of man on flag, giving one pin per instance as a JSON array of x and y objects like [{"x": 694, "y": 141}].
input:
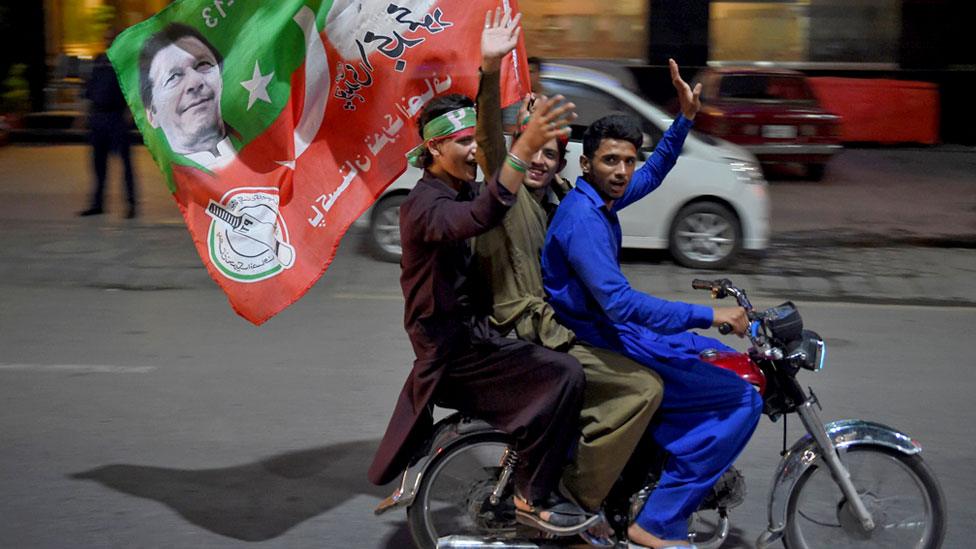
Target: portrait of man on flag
[
  {"x": 180, "y": 85},
  {"x": 278, "y": 124}
]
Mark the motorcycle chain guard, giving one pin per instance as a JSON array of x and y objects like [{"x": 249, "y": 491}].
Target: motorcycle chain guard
[{"x": 844, "y": 433}]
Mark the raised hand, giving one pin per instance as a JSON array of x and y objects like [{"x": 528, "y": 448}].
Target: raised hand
[
  {"x": 499, "y": 38},
  {"x": 550, "y": 120},
  {"x": 689, "y": 99},
  {"x": 525, "y": 109}
]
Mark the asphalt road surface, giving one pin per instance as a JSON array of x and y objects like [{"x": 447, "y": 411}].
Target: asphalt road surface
[
  {"x": 159, "y": 419},
  {"x": 136, "y": 410}
]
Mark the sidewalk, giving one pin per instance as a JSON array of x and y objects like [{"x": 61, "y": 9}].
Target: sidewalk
[
  {"x": 854, "y": 237},
  {"x": 877, "y": 197}
]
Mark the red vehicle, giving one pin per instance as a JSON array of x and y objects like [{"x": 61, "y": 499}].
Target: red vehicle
[{"x": 771, "y": 112}]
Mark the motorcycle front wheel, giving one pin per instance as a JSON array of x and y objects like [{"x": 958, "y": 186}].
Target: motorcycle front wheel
[
  {"x": 453, "y": 498},
  {"x": 899, "y": 490}
]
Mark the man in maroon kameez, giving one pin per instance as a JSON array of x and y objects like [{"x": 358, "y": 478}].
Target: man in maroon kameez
[{"x": 462, "y": 362}]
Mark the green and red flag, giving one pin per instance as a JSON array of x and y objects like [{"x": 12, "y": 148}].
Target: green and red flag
[{"x": 277, "y": 124}]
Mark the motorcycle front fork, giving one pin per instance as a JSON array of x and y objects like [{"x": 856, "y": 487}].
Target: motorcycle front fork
[{"x": 811, "y": 420}]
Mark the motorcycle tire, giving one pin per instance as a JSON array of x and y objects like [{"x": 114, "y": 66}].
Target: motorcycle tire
[
  {"x": 476, "y": 460},
  {"x": 818, "y": 515}
]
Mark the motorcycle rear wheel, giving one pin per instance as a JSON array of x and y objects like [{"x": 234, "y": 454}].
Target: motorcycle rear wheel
[
  {"x": 900, "y": 491},
  {"x": 453, "y": 494}
]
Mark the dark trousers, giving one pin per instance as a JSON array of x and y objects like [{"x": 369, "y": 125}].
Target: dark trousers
[
  {"x": 526, "y": 390},
  {"x": 109, "y": 134}
]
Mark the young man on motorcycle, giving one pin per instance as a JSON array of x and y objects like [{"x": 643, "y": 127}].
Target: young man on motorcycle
[
  {"x": 621, "y": 395},
  {"x": 462, "y": 362},
  {"x": 708, "y": 414}
]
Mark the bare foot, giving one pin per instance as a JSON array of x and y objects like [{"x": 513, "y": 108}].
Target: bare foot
[
  {"x": 641, "y": 536},
  {"x": 523, "y": 505}
]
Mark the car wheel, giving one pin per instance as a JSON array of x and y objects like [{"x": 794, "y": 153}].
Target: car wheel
[
  {"x": 705, "y": 235},
  {"x": 384, "y": 228},
  {"x": 816, "y": 171}
]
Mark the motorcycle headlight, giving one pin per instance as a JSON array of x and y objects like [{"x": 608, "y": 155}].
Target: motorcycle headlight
[
  {"x": 820, "y": 357},
  {"x": 809, "y": 352}
]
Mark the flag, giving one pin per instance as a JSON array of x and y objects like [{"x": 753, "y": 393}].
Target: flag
[{"x": 277, "y": 124}]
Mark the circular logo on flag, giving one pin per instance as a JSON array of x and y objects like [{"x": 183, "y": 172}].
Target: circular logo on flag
[{"x": 248, "y": 239}]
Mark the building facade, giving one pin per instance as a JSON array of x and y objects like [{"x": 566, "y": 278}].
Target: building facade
[{"x": 909, "y": 39}]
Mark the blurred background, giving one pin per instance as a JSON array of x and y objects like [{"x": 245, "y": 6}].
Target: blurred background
[
  {"x": 46, "y": 46},
  {"x": 137, "y": 410}
]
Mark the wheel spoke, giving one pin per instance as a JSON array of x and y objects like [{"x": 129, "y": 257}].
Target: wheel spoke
[
  {"x": 889, "y": 487},
  {"x": 706, "y": 237}
]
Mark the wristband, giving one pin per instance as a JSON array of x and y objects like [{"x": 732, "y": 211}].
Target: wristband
[
  {"x": 515, "y": 163},
  {"x": 518, "y": 161}
]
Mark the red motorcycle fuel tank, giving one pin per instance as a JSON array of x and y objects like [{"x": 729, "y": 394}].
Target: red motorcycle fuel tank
[{"x": 741, "y": 365}]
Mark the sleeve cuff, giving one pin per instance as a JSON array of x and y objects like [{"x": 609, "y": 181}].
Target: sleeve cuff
[
  {"x": 505, "y": 196},
  {"x": 682, "y": 123}
]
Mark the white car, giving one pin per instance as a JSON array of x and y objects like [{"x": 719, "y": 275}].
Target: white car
[{"x": 712, "y": 204}]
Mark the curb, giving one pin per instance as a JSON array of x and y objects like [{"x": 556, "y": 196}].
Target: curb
[{"x": 827, "y": 238}]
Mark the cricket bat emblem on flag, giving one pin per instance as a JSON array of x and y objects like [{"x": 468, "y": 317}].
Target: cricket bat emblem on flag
[{"x": 277, "y": 124}]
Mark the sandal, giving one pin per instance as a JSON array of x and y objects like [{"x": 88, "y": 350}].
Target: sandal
[
  {"x": 565, "y": 517},
  {"x": 597, "y": 536}
]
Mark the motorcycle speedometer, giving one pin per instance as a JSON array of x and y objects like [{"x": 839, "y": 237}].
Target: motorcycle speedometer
[{"x": 784, "y": 322}]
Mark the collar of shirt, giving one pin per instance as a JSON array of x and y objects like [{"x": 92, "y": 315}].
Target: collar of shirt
[
  {"x": 470, "y": 189},
  {"x": 591, "y": 193},
  {"x": 225, "y": 153},
  {"x": 430, "y": 179}
]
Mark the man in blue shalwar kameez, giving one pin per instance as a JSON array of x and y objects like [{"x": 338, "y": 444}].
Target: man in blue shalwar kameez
[{"x": 708, "y": 414}]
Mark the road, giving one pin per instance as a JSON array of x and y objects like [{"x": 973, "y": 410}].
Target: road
[
  {"x": 157, "y": 419},
  {"x": 139, "y": 411}
]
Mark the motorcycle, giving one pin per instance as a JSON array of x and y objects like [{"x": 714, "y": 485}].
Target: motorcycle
[{"x": 849, "y": 483}]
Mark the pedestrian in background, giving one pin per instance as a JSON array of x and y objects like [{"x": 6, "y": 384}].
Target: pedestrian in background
[{"x": 109, "y": 121}]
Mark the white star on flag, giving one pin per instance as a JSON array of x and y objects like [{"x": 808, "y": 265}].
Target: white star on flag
[{"x": 257, "y": 86}]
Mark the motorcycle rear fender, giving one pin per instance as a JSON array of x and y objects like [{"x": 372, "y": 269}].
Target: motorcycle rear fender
[
  {"x": 844, "y": 433},
  {"x": 448, "y": 432}
]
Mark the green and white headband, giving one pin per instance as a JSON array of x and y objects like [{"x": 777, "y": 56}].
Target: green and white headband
[{"x": 461, "y": 121}]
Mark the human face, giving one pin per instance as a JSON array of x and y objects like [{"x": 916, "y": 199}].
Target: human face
[
  {"x": 543, "y": 167},
  {"x": 610, "y": 169},
  {"x": 454, "y": 157},
  {"x": 534, "y": 78},
  {"x": 186, "y": 89}
]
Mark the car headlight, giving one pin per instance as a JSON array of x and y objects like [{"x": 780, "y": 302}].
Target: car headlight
[{"x": 747, "y": 172}]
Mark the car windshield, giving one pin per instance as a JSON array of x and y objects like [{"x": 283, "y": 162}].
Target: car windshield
[{"x": 765, "y": 87}]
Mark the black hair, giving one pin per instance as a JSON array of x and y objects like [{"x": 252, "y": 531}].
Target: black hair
[
  {"x": 162, "y": 39},
  {"x": 437, "y": 107},
  {"x": 614, "y": 126},
  {"x": 534, "y": 62}
]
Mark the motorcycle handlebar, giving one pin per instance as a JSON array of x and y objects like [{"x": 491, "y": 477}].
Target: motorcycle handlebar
[
  {"x": 723, "y": 288},
  {"x": 725, "y": 328},
  {"x": 700, "y": 284}
]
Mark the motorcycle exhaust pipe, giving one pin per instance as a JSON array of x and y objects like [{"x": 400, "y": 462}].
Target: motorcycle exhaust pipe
[{"x": 467, "y": 542}]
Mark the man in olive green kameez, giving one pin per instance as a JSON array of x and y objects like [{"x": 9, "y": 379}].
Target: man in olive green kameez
[{"x": 621, "y": 395}]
